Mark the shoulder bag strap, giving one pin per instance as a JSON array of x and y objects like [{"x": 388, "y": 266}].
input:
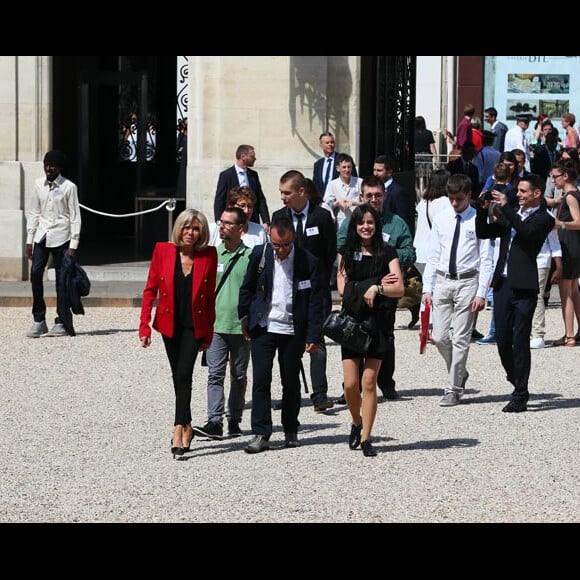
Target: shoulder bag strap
[
  {"x": 428, "y": 218},
  {"x": 227, "y": 272}
]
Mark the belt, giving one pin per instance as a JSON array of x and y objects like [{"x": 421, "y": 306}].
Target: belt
[{"x": 459, "y": 275}]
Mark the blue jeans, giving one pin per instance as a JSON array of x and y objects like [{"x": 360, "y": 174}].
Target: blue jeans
[
  {"x": 237, "y": 349},
  {"x": 318, "y": 359}
]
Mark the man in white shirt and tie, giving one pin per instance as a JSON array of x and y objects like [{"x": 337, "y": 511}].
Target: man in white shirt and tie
[{"x": 455, "y": 283}]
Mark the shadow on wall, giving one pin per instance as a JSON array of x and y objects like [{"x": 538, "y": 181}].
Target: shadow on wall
[{"x": 312, "y": 105}]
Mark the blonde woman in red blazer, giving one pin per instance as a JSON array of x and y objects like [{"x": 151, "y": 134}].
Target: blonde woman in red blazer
[{"x": 182, "y": 277}]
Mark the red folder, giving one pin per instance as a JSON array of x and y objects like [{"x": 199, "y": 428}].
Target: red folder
[{"x": 424, "y": 331}]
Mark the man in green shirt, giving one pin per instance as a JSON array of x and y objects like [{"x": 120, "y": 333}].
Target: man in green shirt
[{"x": 228, "y": 341}]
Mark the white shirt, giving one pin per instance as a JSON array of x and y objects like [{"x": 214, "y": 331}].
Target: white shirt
[
  {"x": 423, "y": 230},
  {"x": 54, "y": 213},
  {"x": 515, "y": 138},
  {"x": 550, "y": 249},
  {"x": 280, "y": 318},
  {"x": 336, "y": 191},
  {"x": 472, "y": 253}
]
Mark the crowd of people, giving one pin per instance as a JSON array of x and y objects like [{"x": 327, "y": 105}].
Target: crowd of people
[{"x": 255, "y": 285}]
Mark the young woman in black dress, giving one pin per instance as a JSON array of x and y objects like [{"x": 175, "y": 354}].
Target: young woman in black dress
[{"x": 370, "y": 281}]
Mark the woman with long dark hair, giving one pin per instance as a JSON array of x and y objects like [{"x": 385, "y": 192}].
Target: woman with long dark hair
[{"x": 370, "y": 281}]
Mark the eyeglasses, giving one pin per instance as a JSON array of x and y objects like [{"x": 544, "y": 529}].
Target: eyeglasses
[
  {"x": 371, "y": 196},
  {"x": 244, "y": 206},
  {"x": 556, "y": 176},
  {"x": 224, "y": 223},
  {"x": 282, "y": 246}
]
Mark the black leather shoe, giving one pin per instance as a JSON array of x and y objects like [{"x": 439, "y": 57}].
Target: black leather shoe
[
  {"x": 516, "y": 406},
  {"x": 354, "y": 439},
  {"x": 291, "y": 440},
  {"x": 258, "y": 444},
  {"x": 367, "y": 449},
  {"x": 340, "y": 401}
]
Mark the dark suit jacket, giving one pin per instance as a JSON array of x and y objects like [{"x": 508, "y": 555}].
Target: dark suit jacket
[
  {"x": 228, "y": 179},
  {"x": 456, "y": 166},
  {"x": 256, "y": 293},
  {"x": 318, "y": 173},
  {"x": 530, "y": 236},
  {"x": 400, "y": 202},
  {"x": 320, "y": 236}
]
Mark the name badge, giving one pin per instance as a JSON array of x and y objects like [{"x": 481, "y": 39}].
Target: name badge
[
  {"x": 56, "y": 191},
  {"x": 386, "y": 237},
  {"x": 304, "y": 285},
  {"x": 220, "y": 267},
  {"x": 470, "y": 234},
  {"x": 312, "y": 231},
  {"x": 357, "y": 256}
]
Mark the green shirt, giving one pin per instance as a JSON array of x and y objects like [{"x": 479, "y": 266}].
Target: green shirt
[
  {"x": 396, "y": 233},
  {"x": 226, "y": 302}
]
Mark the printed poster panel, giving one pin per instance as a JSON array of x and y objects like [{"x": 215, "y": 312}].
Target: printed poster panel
[{"x": 535, "y": 85}]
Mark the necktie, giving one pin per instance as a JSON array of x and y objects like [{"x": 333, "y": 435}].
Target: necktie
[
  {"x": 243, "y": 178},
  {"x": 327, "y": 174},
  {"x": 299, "y": 230},
  {"x": 454, "y": 244}
]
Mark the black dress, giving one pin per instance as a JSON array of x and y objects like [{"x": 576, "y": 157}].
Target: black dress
[
  {"x": 383, "y": 312},
  {"x": 569, "y": 240}
]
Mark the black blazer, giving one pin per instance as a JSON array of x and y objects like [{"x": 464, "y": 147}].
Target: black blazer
[
  {"x": 456, "y": 166},
  {"x": 228, "y": 179},
  {"x": 256, "y": 293},
  {"x": 318, "y": 173},
  {"x": 522, "y": 270},
  {"x": 400, "y": 202},
  {"x": 322, "y": 239}
]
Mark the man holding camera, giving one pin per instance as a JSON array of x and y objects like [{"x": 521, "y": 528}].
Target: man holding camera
[{"x": 515, "y": 278}]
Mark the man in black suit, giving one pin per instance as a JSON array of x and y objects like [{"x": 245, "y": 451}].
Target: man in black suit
[
  {"x": 398, "y": 199},
  {"x": 319, "y": 238},
  {"x": 239, "y": 175},
  {"x": 324, "y": 169},
  {"x": 464, "y": 164},
  {"x": 515, "y": 278},
  {"x": 280, "y": 309}
]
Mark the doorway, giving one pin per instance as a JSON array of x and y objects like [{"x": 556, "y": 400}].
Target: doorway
[{"x": 115, "y": 119}]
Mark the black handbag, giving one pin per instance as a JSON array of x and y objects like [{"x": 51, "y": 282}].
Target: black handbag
[{"x": 345, "y": 330}]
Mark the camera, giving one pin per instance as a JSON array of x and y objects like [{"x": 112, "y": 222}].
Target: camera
[{"x": 487, "y": 196}]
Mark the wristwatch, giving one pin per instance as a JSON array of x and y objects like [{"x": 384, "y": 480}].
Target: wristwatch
[{"x": 562, "y": 225}]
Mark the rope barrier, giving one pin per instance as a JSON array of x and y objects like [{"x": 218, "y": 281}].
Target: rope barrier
[{"x": 170, "y": 203}]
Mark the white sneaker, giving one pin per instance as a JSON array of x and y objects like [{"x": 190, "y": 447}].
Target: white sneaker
[
  {"x": 37, "y": 329},
  {"x": 58, "y": 330},
  {"x": 537, "y": 342}
]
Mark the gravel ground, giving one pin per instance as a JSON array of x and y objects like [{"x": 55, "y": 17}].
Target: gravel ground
[{"x": 86, "y": 426}]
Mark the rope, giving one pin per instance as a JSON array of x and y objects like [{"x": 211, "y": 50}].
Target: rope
[{"x": 170, "y": 203}]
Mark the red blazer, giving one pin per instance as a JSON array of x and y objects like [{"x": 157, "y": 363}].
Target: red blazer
[{"x": 160, "y": 285}]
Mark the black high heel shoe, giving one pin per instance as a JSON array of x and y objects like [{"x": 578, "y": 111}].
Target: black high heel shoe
[
  {"x": 177, "y": 451},
  {"x": 414, "y": 316},
  {"x": 186, "y": 448},
  {"x": 355, "y": 433}
]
